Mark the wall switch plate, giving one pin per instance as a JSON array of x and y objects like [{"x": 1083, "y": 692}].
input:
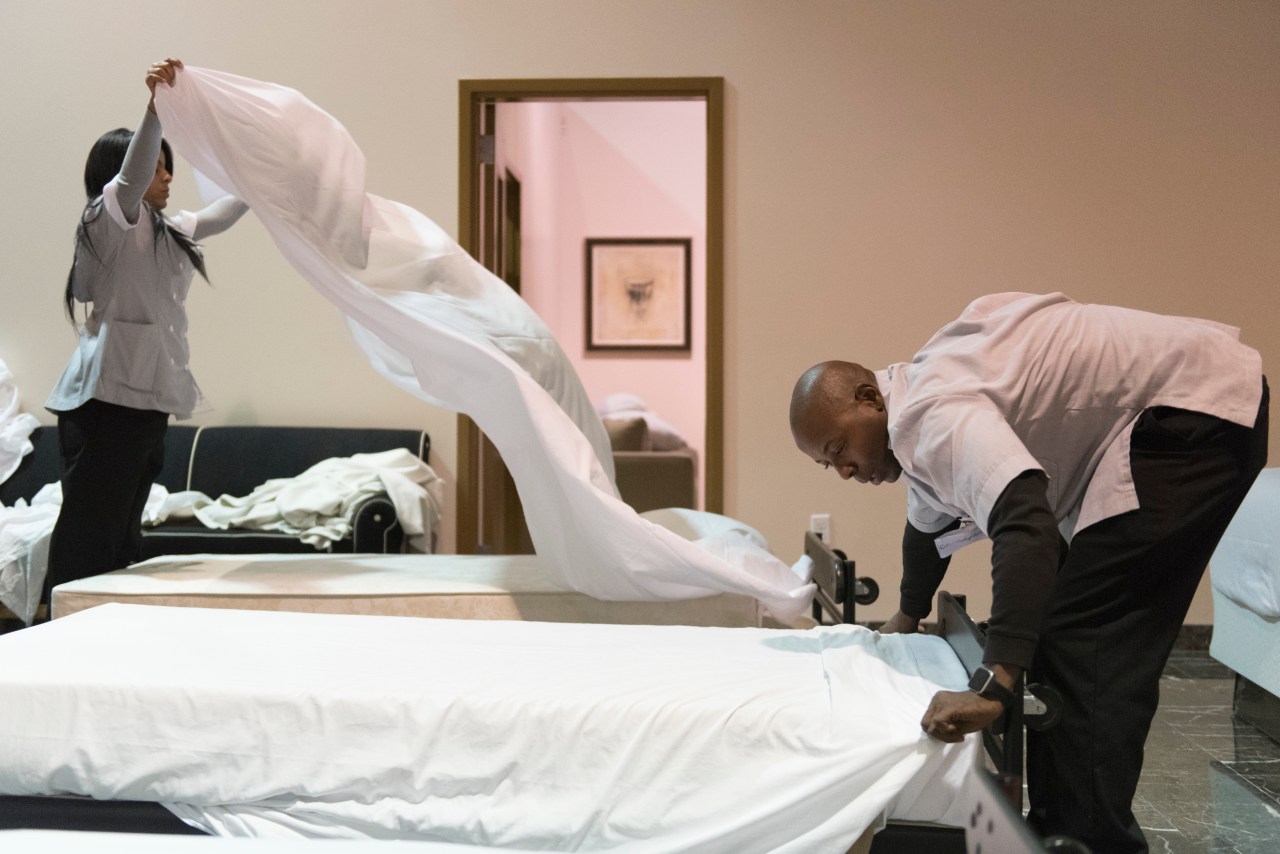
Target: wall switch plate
[{"x": 820, "y": 524}]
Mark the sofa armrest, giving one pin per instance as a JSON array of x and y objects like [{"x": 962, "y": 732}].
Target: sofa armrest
[
  {"x": 651, "y": 480},
  {"x": 375, "y": 528}
]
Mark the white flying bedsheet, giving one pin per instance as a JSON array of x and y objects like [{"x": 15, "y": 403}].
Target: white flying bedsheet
[
  {"x": 440, "y": 326},
  {"x": 511, "y": 734}
]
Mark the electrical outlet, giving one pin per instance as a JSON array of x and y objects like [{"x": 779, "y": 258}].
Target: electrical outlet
[{"x": 820, "y": 524}]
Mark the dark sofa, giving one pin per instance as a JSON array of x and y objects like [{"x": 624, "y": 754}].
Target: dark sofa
[{"x": 233, "y": 460}]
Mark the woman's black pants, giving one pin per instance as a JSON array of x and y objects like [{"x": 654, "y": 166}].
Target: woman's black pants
[{"x": 110, "y": 457}]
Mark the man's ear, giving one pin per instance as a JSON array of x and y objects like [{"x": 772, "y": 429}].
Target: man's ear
[{"x": 866, "y": 392}]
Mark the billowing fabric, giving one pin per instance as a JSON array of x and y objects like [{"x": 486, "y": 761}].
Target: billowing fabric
[
  {"x": 441, "y": 327},
  {"x": 509, "y": 734},
  {"x": 1023, "y": 382}
]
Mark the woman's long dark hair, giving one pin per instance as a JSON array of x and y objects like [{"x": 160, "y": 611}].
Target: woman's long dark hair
[{"x": 104, "y": 162}]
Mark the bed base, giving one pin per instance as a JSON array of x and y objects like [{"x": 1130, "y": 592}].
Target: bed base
[
  {"x": 839, "y": 590},
  {"x": 1257, "y": 707},
  {"x": 57, "y": 812}
]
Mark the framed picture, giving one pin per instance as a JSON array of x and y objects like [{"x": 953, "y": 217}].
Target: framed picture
[{"x": 638, "y": 293}]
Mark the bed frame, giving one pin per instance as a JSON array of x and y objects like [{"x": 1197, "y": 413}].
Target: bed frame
[{"x": 839, "y": 591}]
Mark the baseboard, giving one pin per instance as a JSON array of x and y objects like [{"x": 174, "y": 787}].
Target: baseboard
[{"x": 1194, "y": 636}]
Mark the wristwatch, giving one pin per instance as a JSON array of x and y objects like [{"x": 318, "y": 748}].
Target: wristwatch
[{"x": 984, "y": 684}]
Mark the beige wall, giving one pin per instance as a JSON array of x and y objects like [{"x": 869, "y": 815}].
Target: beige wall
[{"x": 886, "y": 163}]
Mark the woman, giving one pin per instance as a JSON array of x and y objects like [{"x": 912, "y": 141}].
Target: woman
[{"x": 129, "y": 372}]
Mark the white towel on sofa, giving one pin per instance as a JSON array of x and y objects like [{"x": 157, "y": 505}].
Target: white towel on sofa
[{"x": 317, "y": 504}]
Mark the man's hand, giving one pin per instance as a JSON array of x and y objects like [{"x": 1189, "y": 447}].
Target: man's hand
[
  {"x": 900, "y": 623},
  {"x": 953, "y": 714}
]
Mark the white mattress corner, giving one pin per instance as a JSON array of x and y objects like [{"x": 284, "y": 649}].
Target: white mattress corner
[
  {"x": 1246, "y": 641},
  {"x": 1245, "y": 567}
]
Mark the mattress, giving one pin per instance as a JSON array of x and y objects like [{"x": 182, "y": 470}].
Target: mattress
[
  {"x": 474, "y": 587},
  {"x": 1246, "y": 642},
  {"x": 502, "y": 733},
  {"x": 1245, "y": 567}
]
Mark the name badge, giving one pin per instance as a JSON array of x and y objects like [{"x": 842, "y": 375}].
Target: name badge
[{"x": 953, "y": 541}]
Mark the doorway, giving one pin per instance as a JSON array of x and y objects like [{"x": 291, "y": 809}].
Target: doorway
[{"x": 489, "y": 518}]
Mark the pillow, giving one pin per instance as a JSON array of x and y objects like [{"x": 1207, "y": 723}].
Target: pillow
[
  {"x": 696, "y": 525},
  {"x": 627, "y": 434},
  {"x": 617, "y": 402}
]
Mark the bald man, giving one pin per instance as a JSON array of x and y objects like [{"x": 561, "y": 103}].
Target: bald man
[{"x": 1104, "y": 451}]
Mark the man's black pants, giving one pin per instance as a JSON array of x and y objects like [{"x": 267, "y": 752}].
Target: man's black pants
[
  {"x": 110, "y": 457},
  {"x": 1122, "y": 592}
]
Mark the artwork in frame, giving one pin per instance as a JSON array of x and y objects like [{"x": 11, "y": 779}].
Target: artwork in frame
[{"x": 638, "y": 293}]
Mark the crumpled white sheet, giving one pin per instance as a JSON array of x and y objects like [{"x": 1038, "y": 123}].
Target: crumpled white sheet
[
  {"x": 317, "y": 504},
  {"x": 1246, "y": 565},
  {"x": 441, "y": 327},
  {"x": 24, "y": 540},
  {"x": 15, "y": 426},
  {"x": 24, "y": 550}
]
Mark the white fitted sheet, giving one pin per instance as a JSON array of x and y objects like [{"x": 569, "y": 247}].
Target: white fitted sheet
[
  {"x": 1245, "y": 567},
  {"x": 520, "y": 734},
  {"x": 475, "y": 587}
]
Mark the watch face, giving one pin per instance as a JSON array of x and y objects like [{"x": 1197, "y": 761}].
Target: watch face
[
  {"x": 984, "y": 684},
  {"x": 981, "y": 679}
]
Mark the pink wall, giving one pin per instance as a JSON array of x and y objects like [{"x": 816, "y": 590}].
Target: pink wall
[{"x": 612, "y": 169}]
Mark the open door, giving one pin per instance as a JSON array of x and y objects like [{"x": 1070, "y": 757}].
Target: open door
[{"x": 489, "y": 516}]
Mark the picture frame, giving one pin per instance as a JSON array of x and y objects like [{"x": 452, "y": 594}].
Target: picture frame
[{"x": 638, "y": 293}]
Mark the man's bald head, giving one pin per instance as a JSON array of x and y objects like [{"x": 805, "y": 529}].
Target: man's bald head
[
  {"x": 839, "y": 419},
  {"x": 825, "y": 388}
]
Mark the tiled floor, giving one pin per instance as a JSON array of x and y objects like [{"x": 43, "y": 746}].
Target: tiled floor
[{"x": 1209, "y": 784}]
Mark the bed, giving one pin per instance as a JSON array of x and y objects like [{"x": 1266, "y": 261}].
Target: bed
[
  {"x": 758, "y": 705},
  {"x": 483, "y": 587},
  {"x": 1245, "y": 573},
  {"x": 506, "y": 733}
]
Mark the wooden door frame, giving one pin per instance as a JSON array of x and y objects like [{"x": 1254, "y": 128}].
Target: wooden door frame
[{"x": 472, "y": 94}]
